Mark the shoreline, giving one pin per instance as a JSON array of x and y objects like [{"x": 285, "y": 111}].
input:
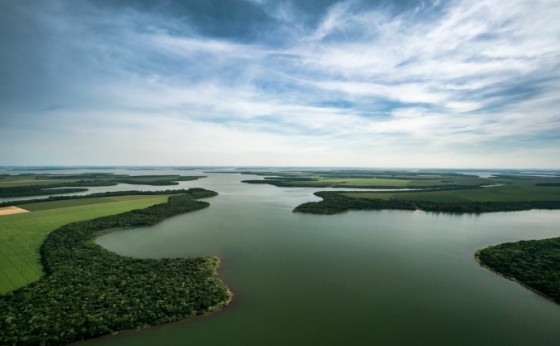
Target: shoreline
[
  {"x": 535, "y": 291},
  {"x": 72, "y": 259},
  {"x": 211, "y": 311}
]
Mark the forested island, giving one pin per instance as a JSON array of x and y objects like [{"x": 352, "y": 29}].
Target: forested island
[
  {"x": 433, "y": 191},
  {"x": 20, "y": 185},
  {"x": 368, "y": 179},
  {"x": 89, "y": 291},
  {"x": 533, "y": 263},
  {"x": 337, "y": 202}
]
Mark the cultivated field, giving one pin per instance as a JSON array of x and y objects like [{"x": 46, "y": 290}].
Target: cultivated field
[
  {"x": 510, "y": 191},
  {"x": 12, "y": 210},
  {"x": 366, "y": 179},
  {"x": 19, "y": 185},
  {"x": 21, "y": 235}
]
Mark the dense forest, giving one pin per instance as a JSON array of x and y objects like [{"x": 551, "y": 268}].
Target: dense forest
[
  {"x": 368, "y": 179},
  {"x": 307, "y": 182},
  {"x": 336, "y": 202},
  {"x": 43, "y": 184},
  {"x": 89, "y": 291},
  {"x": 533, "y": 263},
  {"x": 38, "y": 190},
  {"x": 96, "y": 195}
]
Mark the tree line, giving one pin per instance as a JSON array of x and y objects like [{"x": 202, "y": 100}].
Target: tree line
[
  {"x": 87, "y": 180},
  {"x": 533, "y": 263},
  {"x": 335, "y": 202},
  {"x": 89, "y": 291}
]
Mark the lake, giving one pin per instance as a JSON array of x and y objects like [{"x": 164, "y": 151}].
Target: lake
[{"x": 359, "y": 278}]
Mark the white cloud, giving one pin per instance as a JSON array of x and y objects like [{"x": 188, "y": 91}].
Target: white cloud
[{"x": 418, "y": 90}]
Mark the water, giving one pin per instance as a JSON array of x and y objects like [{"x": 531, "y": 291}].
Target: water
[
  {"x": 113, "y": 188},
  {"x": 359, "y": 278},
  {"x": 136, "y": 187}
]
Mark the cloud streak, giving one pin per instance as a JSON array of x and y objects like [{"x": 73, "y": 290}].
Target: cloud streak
[{"x": 428, "y": 84}]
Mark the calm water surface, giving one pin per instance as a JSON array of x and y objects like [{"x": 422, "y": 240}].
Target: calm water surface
[{"x": 359, "y": 278}]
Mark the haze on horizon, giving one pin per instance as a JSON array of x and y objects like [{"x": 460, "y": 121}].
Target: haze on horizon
[{"x": 284, "y": 83}]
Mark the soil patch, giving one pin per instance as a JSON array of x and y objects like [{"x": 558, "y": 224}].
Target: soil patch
[{"x": 12, "y": 210}]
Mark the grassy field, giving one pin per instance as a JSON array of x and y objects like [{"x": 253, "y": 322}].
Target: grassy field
[
  {"x": 353, "y": 182},
  {"x": 381, "y": 182},
  {"x": 102, "y": 179},
  {"x": 20, "y": 185},
  {"x": 464, "y": 194},
  {"x": 513, "y": 191},
  {"x": 369, "y": 180},
  {"x": 90, "y": 291},
  {"x": 21, "y": 235},
  {"x": 26, "y": 180}
]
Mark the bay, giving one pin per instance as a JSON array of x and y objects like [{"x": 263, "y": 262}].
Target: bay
[{"x": 368, "y": 277}]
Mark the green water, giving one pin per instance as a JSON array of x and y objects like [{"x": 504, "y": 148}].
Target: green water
[{"x": 360, "y": 278}]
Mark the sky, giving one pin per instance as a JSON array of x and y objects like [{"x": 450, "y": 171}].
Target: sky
[{"x": 404, "y": 84}]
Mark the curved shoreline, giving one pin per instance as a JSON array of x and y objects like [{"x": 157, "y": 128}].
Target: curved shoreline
[
  {"x": 511, "y": 278},
  {"x": 90, "y": 291},
  {"x": 334, "y": 202},
  {"x": 531, "y": 263},
  {"x": 126, "y": 332}
]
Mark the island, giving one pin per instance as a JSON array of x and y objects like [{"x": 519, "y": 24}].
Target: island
[
  {"x": 32, "y": 184},
  {"x": 535, "y": 263},
  {"x": 432, "y": 191}
]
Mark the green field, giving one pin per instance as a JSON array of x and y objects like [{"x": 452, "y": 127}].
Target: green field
[
  {"x": 21, "y": 235},
  {"x": 88, "y": 179},
  {"x": 465, "y": 195},
  {"x": 89, "y": 291},
  {"x": 368, "y": 179},
  {"x": 426, "y": 181},
  {"x": 510, "y": 191},
  {"x": 17, "y": 180},
  {"x": 351, "y": 182},
  {"x": 435, "y": 191},
  {"x": 19, "y": 185}
]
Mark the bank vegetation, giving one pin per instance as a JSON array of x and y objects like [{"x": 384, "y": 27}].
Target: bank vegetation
[{"x": 89, "y": 291}]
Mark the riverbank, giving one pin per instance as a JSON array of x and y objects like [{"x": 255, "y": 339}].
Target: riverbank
[
  {"x": 335, "y": 202},
  {"x": 25, "y": 185},
  {"x": 89, "y": 291},
  {"x": 531, "y": 263}
]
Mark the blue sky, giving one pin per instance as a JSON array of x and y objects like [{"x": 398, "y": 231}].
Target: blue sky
[{"x": 284, "y": 83}]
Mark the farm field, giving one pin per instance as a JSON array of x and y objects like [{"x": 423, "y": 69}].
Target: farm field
[
  {"x": 427, "y": 181},
  {"x": 19, "y": 185},
  {"x": 510, "y": 191},
  {"x": 369, "y": 179},
  {"x": 90, "y": 292},
  {"x": 26, "y": 180},
  {"x": 14, "y": 180},
  {"x": 21, "y": 235},
  {"x": 464, "y": 194}
]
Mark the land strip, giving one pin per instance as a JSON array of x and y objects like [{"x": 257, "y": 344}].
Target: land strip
[
  {"x": 344, "y": 179},
  {"x": 335, "y": 202},
  {"x": 21, "y": 185},
  {"x": 89, "y": 291},
  {"x": 534, "y": 264},
  {"x": 21, "y": 235},
  {"x": 438, "y": 192}
]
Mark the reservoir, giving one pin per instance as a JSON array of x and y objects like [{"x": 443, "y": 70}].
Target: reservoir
[{"x": 358, "y": 278}]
